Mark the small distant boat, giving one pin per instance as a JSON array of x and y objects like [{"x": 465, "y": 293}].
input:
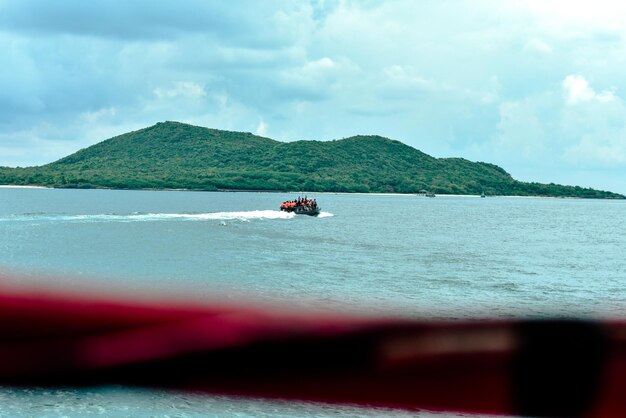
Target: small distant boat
[
  {"x": 426, "y": 193},
  {"x": 482, "y": 194},
  {"x": 301, "y": 206}
]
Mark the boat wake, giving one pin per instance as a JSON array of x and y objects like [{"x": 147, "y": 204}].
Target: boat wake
[
  {"x": 325, "y": 215},
  {"x": 244, "y": 216}
]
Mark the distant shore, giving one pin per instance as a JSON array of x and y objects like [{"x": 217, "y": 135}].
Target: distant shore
[
  {"x": 305, "y": 192},
  {"x": 18, "y": 186},
  {"x": 445, "y": 195}
]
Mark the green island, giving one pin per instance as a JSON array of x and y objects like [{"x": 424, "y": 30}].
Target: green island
[{"x": 173, "y": 155}]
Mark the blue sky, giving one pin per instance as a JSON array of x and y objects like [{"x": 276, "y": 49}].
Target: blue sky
[{"x": 537, "y": 87}]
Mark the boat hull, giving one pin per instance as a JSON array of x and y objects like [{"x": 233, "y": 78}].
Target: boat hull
[{"x": 300, "y": 210}]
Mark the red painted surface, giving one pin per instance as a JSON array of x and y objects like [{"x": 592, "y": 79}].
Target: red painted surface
[{"x": 451, "y": 366}]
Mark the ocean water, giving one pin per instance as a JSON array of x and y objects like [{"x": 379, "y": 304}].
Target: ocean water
[{"x": 447, "y": 257}]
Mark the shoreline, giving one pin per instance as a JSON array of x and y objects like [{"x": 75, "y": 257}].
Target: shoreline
[
  {"x": 19, "y": 186},
  {"x": 469, "y": 196}
]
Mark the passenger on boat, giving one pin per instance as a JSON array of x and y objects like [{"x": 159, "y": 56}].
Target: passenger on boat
[{"x": 299, "y": 202}]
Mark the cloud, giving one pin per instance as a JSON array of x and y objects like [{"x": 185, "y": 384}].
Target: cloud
[
  {"x": 575, "y": 19},
  {"x": 261, "y": 129},
  {"x": 271, "y": 24},
  {"x": 186, "y": 89},
  {"x": 405, "y": 80},
  {"x": 99, "y": 115},
  {"x": 538, "y": 46},
  {"x": 605, "y": 150},
  {"x": 51, "y": 143},
  {"x": 595, "y": 123},
  {"x": 519, "y": 83},
  {"x": 579, "y": 129},
  {"x": 577, "y": 90},
  {"x": 312, "y": 80},
  {"x": 521, "y": 130}
]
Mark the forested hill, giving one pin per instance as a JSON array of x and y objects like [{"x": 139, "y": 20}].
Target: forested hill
[{"x": 175, "y": 155}]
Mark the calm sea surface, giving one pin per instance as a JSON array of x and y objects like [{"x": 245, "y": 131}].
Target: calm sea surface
[{"x": 447, "y": 257}]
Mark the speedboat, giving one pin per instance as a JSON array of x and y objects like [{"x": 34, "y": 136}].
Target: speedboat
[
  {"x": 301, "y": 206},
  {"x": 306, "y": 210}
]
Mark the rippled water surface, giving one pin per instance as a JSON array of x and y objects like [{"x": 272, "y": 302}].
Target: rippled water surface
[{"x": 444, "y": 257}]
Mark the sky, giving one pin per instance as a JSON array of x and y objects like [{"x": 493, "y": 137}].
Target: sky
[{"x": 536, "y": 87}]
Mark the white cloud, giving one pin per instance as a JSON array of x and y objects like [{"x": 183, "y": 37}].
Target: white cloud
[
  {"x": 579, "y": 128},
  {"x": 577, "y": 90},
  {"x": 51, "y": 142},
  {"x": 310, "y": 80},
  {"x": 520, "y": 131},
  {"x": 100, "y": 114},
  {"x": 405, "y": 77},
  {"x": 573, "y": 19},
  {"x": 444, "y": 76},
  {"x": 261, "y": 129},
  {"x": 595, "y": 131},
  {"x": 606, "y": 149},
  {"x": 187, "y": 89},
  {"x": 538, "y": 46},
  {"x": 321, "y": 65}
]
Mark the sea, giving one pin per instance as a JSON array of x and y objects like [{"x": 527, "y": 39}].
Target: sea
[{"x": 448, "y": 257}]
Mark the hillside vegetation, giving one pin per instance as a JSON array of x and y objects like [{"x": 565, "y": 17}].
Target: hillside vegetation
[{"x": 174, "y": 155}]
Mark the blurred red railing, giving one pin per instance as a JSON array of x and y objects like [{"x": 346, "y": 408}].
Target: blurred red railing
[{"x": 556, "y": 368}]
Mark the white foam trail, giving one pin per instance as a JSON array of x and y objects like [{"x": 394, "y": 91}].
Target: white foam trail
[
  {"x": 151, "y": 217},
  {"x": 228, "y": 216},
  {"x": 244, "y": 216}
]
